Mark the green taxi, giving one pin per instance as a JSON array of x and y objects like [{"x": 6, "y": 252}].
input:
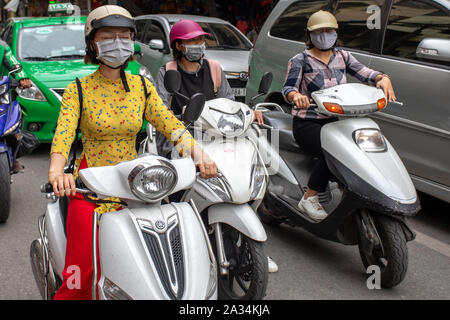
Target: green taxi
[{"x": 51, "y": 52}]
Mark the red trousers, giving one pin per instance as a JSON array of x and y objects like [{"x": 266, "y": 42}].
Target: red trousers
[{"x": 78, "y": 270}]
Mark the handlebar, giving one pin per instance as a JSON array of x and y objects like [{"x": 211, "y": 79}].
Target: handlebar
[{"x": 80, "y": 188}]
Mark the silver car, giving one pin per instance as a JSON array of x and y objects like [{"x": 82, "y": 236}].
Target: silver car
[
  {"x": 226, "y": 44},
  {"x": 410, "y": 41}
]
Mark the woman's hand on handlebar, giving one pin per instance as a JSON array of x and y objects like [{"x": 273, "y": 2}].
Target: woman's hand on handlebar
[
  {"x": 208, "y": 168},
  {"x": 258, "y": 117},
  {"x": 63, "y": 183},
  {"x": 385, "y": 83},
  {"x": 300, "y": 101}
]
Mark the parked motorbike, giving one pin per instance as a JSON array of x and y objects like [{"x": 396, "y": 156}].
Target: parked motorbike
[
  {"x": 147, "y": 250},
  {"x": 228, "y": 203},
  {"x": 371, "y": 196},
  {"x": 10, "y": 125}
]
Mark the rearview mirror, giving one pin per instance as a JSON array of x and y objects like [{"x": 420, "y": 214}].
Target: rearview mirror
[
  {"x": 17, "y": 68},
  {"x": 434, "y": 49},
  {"x": 172, "y": 81},
  {"x": 137, "y": 48},
  {"x": 265, "y": 83},
  {"x": 194, "y": 108},
  {"x": 156, "y": 44}
]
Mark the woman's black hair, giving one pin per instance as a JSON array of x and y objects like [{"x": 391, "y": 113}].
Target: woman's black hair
[{"x": 177, "y": 54}]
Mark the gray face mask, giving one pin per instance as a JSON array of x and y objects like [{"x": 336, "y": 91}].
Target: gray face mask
[
  {"x": 323, "y": 40},
  {"x": 114, "y": 53},
  {"x": 195, "y": 52}
]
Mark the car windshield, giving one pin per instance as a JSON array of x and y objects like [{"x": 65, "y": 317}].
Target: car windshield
[
  {"x": 51, "y": 42},
  {"x": 224, "y": 37}
]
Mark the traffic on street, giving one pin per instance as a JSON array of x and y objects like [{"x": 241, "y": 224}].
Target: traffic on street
[{"x": 268, "y": 150}]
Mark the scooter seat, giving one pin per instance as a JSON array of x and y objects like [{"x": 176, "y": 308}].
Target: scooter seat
[
  {"x": 283, "y": 123},
  {"x": 63, "y": 206}
]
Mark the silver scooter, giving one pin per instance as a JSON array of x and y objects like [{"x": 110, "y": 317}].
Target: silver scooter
[
  {"x": 229, "y": 202},
  {"x": 147, "y": 250},
  {"x": 372, "y": 194}
]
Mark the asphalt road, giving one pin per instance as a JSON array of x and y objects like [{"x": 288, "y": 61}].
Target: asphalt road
[{"x": 309, "y": 268}]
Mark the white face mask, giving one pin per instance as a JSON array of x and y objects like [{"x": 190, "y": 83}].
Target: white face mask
[
  {"x": 323, "y": 40},
  {"x": 195, "y": 52},
  {"x": 114, "y": 53}
]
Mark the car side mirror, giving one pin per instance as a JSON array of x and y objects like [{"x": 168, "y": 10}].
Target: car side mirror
[
  {"x": 434, "y": 49},
  {"x": 265, "y": 83},
  {"x": 156, "y": 44},
  {"x": 194, "y": 108}
]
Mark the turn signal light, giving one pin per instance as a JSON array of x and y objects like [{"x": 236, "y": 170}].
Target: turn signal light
[
  {"x": 381, "y": 103},
  {"x": 333, "y": 107}
]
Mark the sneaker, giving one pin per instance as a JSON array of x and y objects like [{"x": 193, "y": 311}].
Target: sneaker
[
  {"x": 273, "y": 267},
  {"x": 312, "y": 208}
]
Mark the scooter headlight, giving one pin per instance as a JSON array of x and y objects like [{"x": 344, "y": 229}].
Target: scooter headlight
[
  {"x": 31, "y": 93},
  {"x": 11, "y": 129},
  {"x": 152, "y": 182},
  {"x": 212, "y": 282},
  {"x": 370, "y": 140},
  {"x": 3, "y": 88},
  {"x": 258, "y": 176},
  {"x": 218, "y": 186},
  {"x": 229, "y": 124},
  {"x": 113, "y": 292}
]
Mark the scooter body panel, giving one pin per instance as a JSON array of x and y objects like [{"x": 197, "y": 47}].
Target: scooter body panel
[
  {"x": 384, "y": 171},
  {"x": 56, "y": 238},
  {"x": 241, "y": 217},
  {"x": 155, "y": 252},
  {"x": 234, "y": 159}
]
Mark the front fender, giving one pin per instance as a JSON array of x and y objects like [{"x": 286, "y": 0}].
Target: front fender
[{"x": 239, "y": 216}]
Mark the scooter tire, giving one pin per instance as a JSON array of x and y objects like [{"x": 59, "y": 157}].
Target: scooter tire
[
  {"x": 259, "y": 273},
  {"x": 5, "y": 188},
  {"x": 266, "y": 217},
  {"x": 395, "y": 251}
]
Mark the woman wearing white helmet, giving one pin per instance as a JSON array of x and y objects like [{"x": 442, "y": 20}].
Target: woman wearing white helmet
[
  {"x": 108, "y": 106},
  {"x": 321, "y": 65}
]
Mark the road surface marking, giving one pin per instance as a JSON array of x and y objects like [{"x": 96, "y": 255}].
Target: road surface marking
[{"x": 432, "y": 243}]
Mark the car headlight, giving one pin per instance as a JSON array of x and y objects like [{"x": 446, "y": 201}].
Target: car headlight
[
  {"x": 3, "y": 88},
  {"x": 370, "y": 140},
  {"x": 218, "y": 186},
  {"x": 31, "y": 93},
  {"x": 152, "y": 182},
  {"x": 258, "y": 177},
  {"x": 143, "y": 71},
  {"x": 229, "y": 124},
  {"x": 212, "y": 281},
  {"x": 113, "y": 292}
]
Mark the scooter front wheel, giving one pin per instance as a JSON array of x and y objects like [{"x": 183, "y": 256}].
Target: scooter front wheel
[
  {"x": 392, "y": 255},
  {"x": 248, "y": 272},
  {"x": 5, "y": 187}
]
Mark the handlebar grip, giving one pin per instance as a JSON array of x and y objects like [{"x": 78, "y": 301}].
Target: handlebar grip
[{"x": 46, "y": 188}]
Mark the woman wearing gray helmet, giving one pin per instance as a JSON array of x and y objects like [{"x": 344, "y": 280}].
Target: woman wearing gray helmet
[
  {"x": 322, "y": 65},
  {"x": 108, "y": 106}
]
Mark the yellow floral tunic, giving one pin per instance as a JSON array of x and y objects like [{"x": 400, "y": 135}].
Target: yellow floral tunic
[{"x": 111, "y": 119}]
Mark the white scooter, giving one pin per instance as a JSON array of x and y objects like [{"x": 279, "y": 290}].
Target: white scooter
[
  {"x": 228, "y": 203},
  {"x": 372, "y": 194},
  {"x": 147, "y": 250}
]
